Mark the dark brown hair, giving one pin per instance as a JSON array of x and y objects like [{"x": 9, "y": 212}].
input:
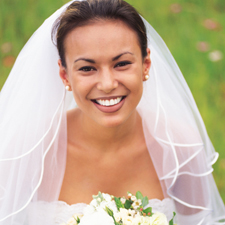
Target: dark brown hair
[{"x": 80, "y": 13}]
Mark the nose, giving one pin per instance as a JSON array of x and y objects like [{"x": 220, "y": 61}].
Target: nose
[{"x": 107, "y": 81}]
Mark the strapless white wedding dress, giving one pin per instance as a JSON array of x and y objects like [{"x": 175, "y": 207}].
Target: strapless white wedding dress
[{"x": 58, "y": 212}]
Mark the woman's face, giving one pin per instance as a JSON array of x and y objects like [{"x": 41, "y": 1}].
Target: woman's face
[{"x": 105, "y": 71}]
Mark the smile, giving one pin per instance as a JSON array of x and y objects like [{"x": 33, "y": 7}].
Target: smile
[
  {"x": 110, "y": 105},
  {"x": 109, "y": 102}
]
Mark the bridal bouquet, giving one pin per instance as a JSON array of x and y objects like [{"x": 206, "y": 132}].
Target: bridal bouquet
[{"x": 105, "y": 209}]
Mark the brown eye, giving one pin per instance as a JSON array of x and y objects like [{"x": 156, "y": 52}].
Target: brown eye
[
  {"x": 121, "y": 64},
  {"x": 87, "y": 68}
]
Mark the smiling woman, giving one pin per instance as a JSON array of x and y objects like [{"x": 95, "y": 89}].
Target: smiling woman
[
  {"x": 102, "y": 68},
  {"x": 127, "y": 122}
]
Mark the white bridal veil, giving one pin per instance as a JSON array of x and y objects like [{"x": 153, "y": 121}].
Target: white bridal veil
[{"x": 33, "y": 138}]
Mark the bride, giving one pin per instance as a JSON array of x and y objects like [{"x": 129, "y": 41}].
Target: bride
[{"x": 121, "y": 118}]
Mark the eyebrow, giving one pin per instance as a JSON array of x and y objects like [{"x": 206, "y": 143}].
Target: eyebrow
[
  {"x": 87, "y": 60},
  {"x": 93, "y": 61},
  {"x": 117, "y": 57}
]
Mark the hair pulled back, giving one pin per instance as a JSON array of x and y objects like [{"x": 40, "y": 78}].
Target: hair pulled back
[{"x": 80, "y": 13}]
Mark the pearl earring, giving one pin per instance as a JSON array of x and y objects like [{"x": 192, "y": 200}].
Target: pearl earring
[
  {"x": 67, "y": 87},
  {"x": 146, "y": 77}
]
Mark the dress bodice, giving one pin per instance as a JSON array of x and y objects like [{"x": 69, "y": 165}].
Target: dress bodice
[{"x": 58, "y": 212}]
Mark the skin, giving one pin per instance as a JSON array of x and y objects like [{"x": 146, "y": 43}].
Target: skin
[{"x": 106, "y": 150}]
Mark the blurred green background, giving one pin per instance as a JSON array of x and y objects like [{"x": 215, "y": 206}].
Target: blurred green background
[{"x": 192, "y": 29}]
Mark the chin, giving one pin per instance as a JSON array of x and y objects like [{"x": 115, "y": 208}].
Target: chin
[{"x": 114, "y": 121}]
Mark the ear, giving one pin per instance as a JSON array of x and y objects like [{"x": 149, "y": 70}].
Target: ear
[
  {"x": 63, "y": 74},
  {"x": 146, "y": 64}
]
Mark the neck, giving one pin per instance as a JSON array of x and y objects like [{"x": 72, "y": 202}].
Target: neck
[{"x": 108, "y": 139}]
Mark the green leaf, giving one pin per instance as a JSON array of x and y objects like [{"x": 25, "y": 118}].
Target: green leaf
[
  {"x": 171, "y": 221},
  {"x": 148, "y": 210},
  {"x": 139, "y": 195},
  {"x": 145, "y": 201},
  {"x": 78, "y": 220},
  {"x": 127, "y": 204},
  {"x": 119, "y": 204}
]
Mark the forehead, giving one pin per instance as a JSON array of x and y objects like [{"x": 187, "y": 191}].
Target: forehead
[{"x": 107, "y": 37}]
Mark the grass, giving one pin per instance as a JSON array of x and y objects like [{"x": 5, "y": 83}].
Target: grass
[{"x": 181, "y": 31}]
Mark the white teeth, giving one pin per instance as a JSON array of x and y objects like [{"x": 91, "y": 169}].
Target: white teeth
[{"x": 109, "y": 102}]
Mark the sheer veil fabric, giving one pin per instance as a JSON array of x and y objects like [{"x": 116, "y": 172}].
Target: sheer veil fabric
[{"x": 33, "y": 105}]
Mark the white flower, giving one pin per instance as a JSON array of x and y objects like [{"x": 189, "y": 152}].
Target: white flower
[
  {"x": 137, "y": 214},
  {"x": 133, "y": 198},
  {"x": 97, "y": 218},
  {"x": 136, "y": 203},
  {"x": 94, "y": 203},
  {"x": 126, "y": 215},
  {"x": 215, "y": 56},
  {"x": 131, "y": 212},
  {"x": 158, "y": 219},
  {"x": 107, "y": 197},
  {"x": 121, "y": 214},
  {"x": 111, "y": 205},
  {"x": 123, "y": 200},
  {"x": 142, "y": 220},
  {"x": 128, "y": 220},
  {"x": 89, "y": 209}
]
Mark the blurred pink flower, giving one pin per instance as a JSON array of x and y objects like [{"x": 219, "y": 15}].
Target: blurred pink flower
[
  {"x": 202, "y": 46},
  {"x": 175, "y": 8},
  {"x": 211, "y": 24},
  {"x": 8, "y": 61},
  {"x": 215, "y": 56}
]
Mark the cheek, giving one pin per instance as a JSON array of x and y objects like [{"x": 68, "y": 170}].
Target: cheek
[
  {"x": 136, "y": 82},
  {"x": 80, "y": 92},
  {"x": 80, "y": 88},
  {"x": 138, "y": 89}
]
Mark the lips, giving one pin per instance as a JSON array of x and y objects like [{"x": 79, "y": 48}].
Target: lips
[{"x": 109, "y": 105}]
